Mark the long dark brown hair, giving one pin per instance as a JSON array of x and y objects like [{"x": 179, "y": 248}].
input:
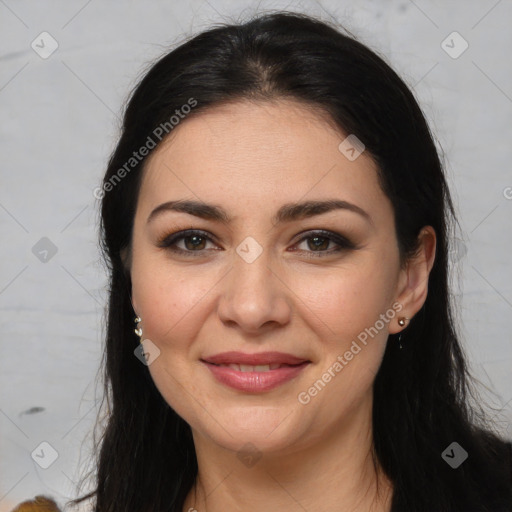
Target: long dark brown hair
[{"x": 145, "y": 454}]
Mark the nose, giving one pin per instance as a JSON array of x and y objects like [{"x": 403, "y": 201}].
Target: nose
[{"x": 253, "y": 296}]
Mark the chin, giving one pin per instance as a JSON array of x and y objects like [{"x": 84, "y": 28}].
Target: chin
[{"x": 269, "y": 429}]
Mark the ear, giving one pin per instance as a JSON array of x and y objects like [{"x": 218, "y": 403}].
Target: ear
[{"x": 412, "y": 287}]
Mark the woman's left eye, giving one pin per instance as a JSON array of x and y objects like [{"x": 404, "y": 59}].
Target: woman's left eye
[
  {"x": 317, "y": 243},
  {"x": 319, "y": 240}
]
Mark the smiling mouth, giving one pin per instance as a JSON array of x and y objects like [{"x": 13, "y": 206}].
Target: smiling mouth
[{"x": 255, "y": 378}]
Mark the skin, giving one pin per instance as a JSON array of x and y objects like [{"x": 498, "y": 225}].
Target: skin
[{"x": 251, "y": 158}]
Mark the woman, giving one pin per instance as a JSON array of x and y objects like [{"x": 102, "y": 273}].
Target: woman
[{"x": 275, "y": 219}]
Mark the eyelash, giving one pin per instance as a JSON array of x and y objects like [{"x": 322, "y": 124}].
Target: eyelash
[{"x": 169, "y": 241}]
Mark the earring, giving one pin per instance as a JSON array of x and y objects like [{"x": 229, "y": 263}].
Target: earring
[
  {"x": 401, "y": 323},
  {"x": 138, "y": 330}
]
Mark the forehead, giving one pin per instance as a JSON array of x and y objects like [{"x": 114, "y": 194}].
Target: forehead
[{"x": 258, "y": 153}]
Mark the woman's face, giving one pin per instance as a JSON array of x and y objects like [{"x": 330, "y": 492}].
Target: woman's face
[{"x": 254, "y": 283}]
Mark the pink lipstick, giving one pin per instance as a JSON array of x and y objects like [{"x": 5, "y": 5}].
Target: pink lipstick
[{"x": 254, "y": 372}]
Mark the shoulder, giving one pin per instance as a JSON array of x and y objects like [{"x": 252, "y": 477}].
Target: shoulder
[{"x": 497, "y": 473}]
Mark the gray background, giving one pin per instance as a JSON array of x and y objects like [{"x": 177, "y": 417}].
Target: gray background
[{"x": 60, "y": 123}]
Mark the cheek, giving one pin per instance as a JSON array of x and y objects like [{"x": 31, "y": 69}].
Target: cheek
[
  {"x": 345, "y": 312},
  {"x": 348, "y": 300},
  {"x": 165, "y": 294},
  {"x": 347, "y": 306},
  {"x": 169, "y": 305}
]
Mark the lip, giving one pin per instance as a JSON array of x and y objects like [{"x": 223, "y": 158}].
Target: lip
[
  {"x": 255, "y": 381},
  {"x": 254, "y": 359}
]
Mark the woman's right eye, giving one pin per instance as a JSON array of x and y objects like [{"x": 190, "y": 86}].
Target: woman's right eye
[{"x": 194, "y": 242}]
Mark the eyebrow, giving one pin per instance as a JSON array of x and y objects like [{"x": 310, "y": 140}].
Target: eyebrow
[{"x": 287, "y": 213}]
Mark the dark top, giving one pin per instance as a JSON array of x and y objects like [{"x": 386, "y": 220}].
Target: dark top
[{"x": 482, "y": 487}]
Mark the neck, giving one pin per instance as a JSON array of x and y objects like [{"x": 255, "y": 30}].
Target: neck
[{"x": 333, "y": 472}]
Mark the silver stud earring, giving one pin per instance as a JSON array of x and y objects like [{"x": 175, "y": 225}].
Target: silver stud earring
[{"x": 138, "y": 330}]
